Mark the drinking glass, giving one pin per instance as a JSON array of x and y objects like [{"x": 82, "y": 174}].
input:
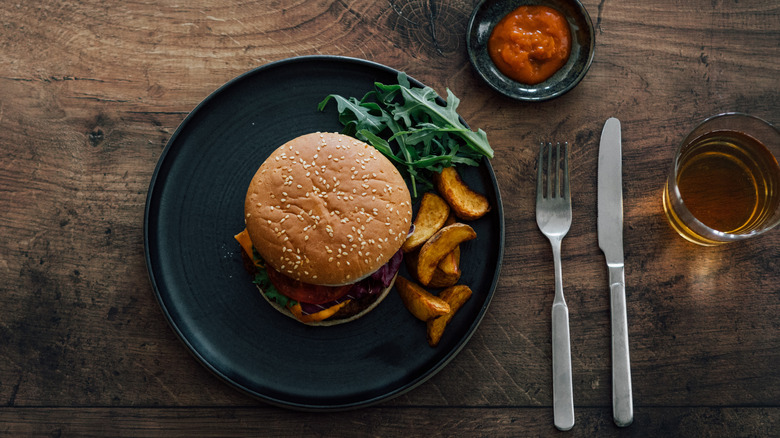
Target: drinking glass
[{"x": 724, "y": 184}]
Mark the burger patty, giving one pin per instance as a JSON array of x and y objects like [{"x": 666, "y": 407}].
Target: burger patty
[{"x": 353, "y": 305}]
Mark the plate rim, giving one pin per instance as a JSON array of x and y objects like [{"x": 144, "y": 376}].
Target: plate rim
[{"x": 152, "y": 276}]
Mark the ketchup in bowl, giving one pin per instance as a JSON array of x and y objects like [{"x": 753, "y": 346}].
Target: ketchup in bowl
[{"x": 530, "y": 44}]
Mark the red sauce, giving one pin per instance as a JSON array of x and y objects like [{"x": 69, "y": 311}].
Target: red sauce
[{"x": 530, "y": 44}]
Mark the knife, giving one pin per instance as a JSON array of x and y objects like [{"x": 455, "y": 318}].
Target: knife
[{"x": 610, "y": 229}]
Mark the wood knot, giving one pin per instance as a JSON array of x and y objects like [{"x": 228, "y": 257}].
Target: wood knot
[
  {"x": 429, "y": 26},
  {"x": 96, "y": 137}
]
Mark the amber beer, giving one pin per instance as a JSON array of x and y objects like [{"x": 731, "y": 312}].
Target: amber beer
[{"x": 725, "y": 182}]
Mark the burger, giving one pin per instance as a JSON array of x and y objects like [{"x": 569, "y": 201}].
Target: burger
[{"x": 325, "y": 215}]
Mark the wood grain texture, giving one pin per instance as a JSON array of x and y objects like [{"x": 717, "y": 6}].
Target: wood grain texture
[
  {"x": 91, "y": 91},
  {"x": 422, "y": 421}
]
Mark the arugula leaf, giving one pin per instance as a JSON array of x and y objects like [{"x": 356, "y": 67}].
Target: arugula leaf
[{"x": 408, "y": 125}]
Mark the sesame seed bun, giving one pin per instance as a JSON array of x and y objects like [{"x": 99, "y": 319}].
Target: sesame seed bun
[{"x": 327, "y": 209}]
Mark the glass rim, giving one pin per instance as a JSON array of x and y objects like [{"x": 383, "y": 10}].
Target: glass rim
[{"x": 677, "y": 202}]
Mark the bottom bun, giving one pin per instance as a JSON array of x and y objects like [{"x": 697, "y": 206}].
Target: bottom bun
[{"x": 339, "y": 317}]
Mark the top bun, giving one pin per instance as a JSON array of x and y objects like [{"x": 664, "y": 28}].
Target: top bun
[{"x": 327, "y": 209}]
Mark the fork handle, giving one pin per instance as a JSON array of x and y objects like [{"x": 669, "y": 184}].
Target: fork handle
[{"x": 563, "y": 398}]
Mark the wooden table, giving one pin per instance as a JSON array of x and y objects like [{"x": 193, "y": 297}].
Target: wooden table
[{"x": 91, "y": 91}]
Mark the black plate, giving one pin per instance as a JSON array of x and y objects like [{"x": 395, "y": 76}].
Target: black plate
[{"x": 195, "y": 206}]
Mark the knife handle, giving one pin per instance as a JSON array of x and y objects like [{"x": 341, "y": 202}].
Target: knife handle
[
  {"x": 563, "y": 398},
  {"x": 622, "y": 400}
]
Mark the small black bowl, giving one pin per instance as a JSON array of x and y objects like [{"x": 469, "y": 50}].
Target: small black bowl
[{"x": 490, "y": 12}]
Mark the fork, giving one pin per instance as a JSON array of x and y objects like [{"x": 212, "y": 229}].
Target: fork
[{"x": 553, "y": 215}]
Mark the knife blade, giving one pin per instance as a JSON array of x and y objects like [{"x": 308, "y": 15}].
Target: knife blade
[{"x": 610, "y": 234}]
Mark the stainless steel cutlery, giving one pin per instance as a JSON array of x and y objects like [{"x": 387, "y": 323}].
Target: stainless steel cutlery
[{"x": 554, "y": 217}]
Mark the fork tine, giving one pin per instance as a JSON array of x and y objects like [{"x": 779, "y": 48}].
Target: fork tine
[
  {"x": 551, "y": 178},
  {"x": 557, "y": 169},
  {"x": 539, "y": 165},
  {"x": 566, "y": 191}
]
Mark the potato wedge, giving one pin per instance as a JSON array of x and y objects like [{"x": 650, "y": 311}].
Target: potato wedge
[
  {"x": 466, "y": 203},
  {"x": 421, "y": 303},
  {"x": 455, "y": 296},
  {"x": 438, "y": 246},
  {"x": 431, "y": 215},
  {"x": 443, "y": 279},
  {"x": 439, "y": 279},
  {"x": 450, "y": 264}
]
